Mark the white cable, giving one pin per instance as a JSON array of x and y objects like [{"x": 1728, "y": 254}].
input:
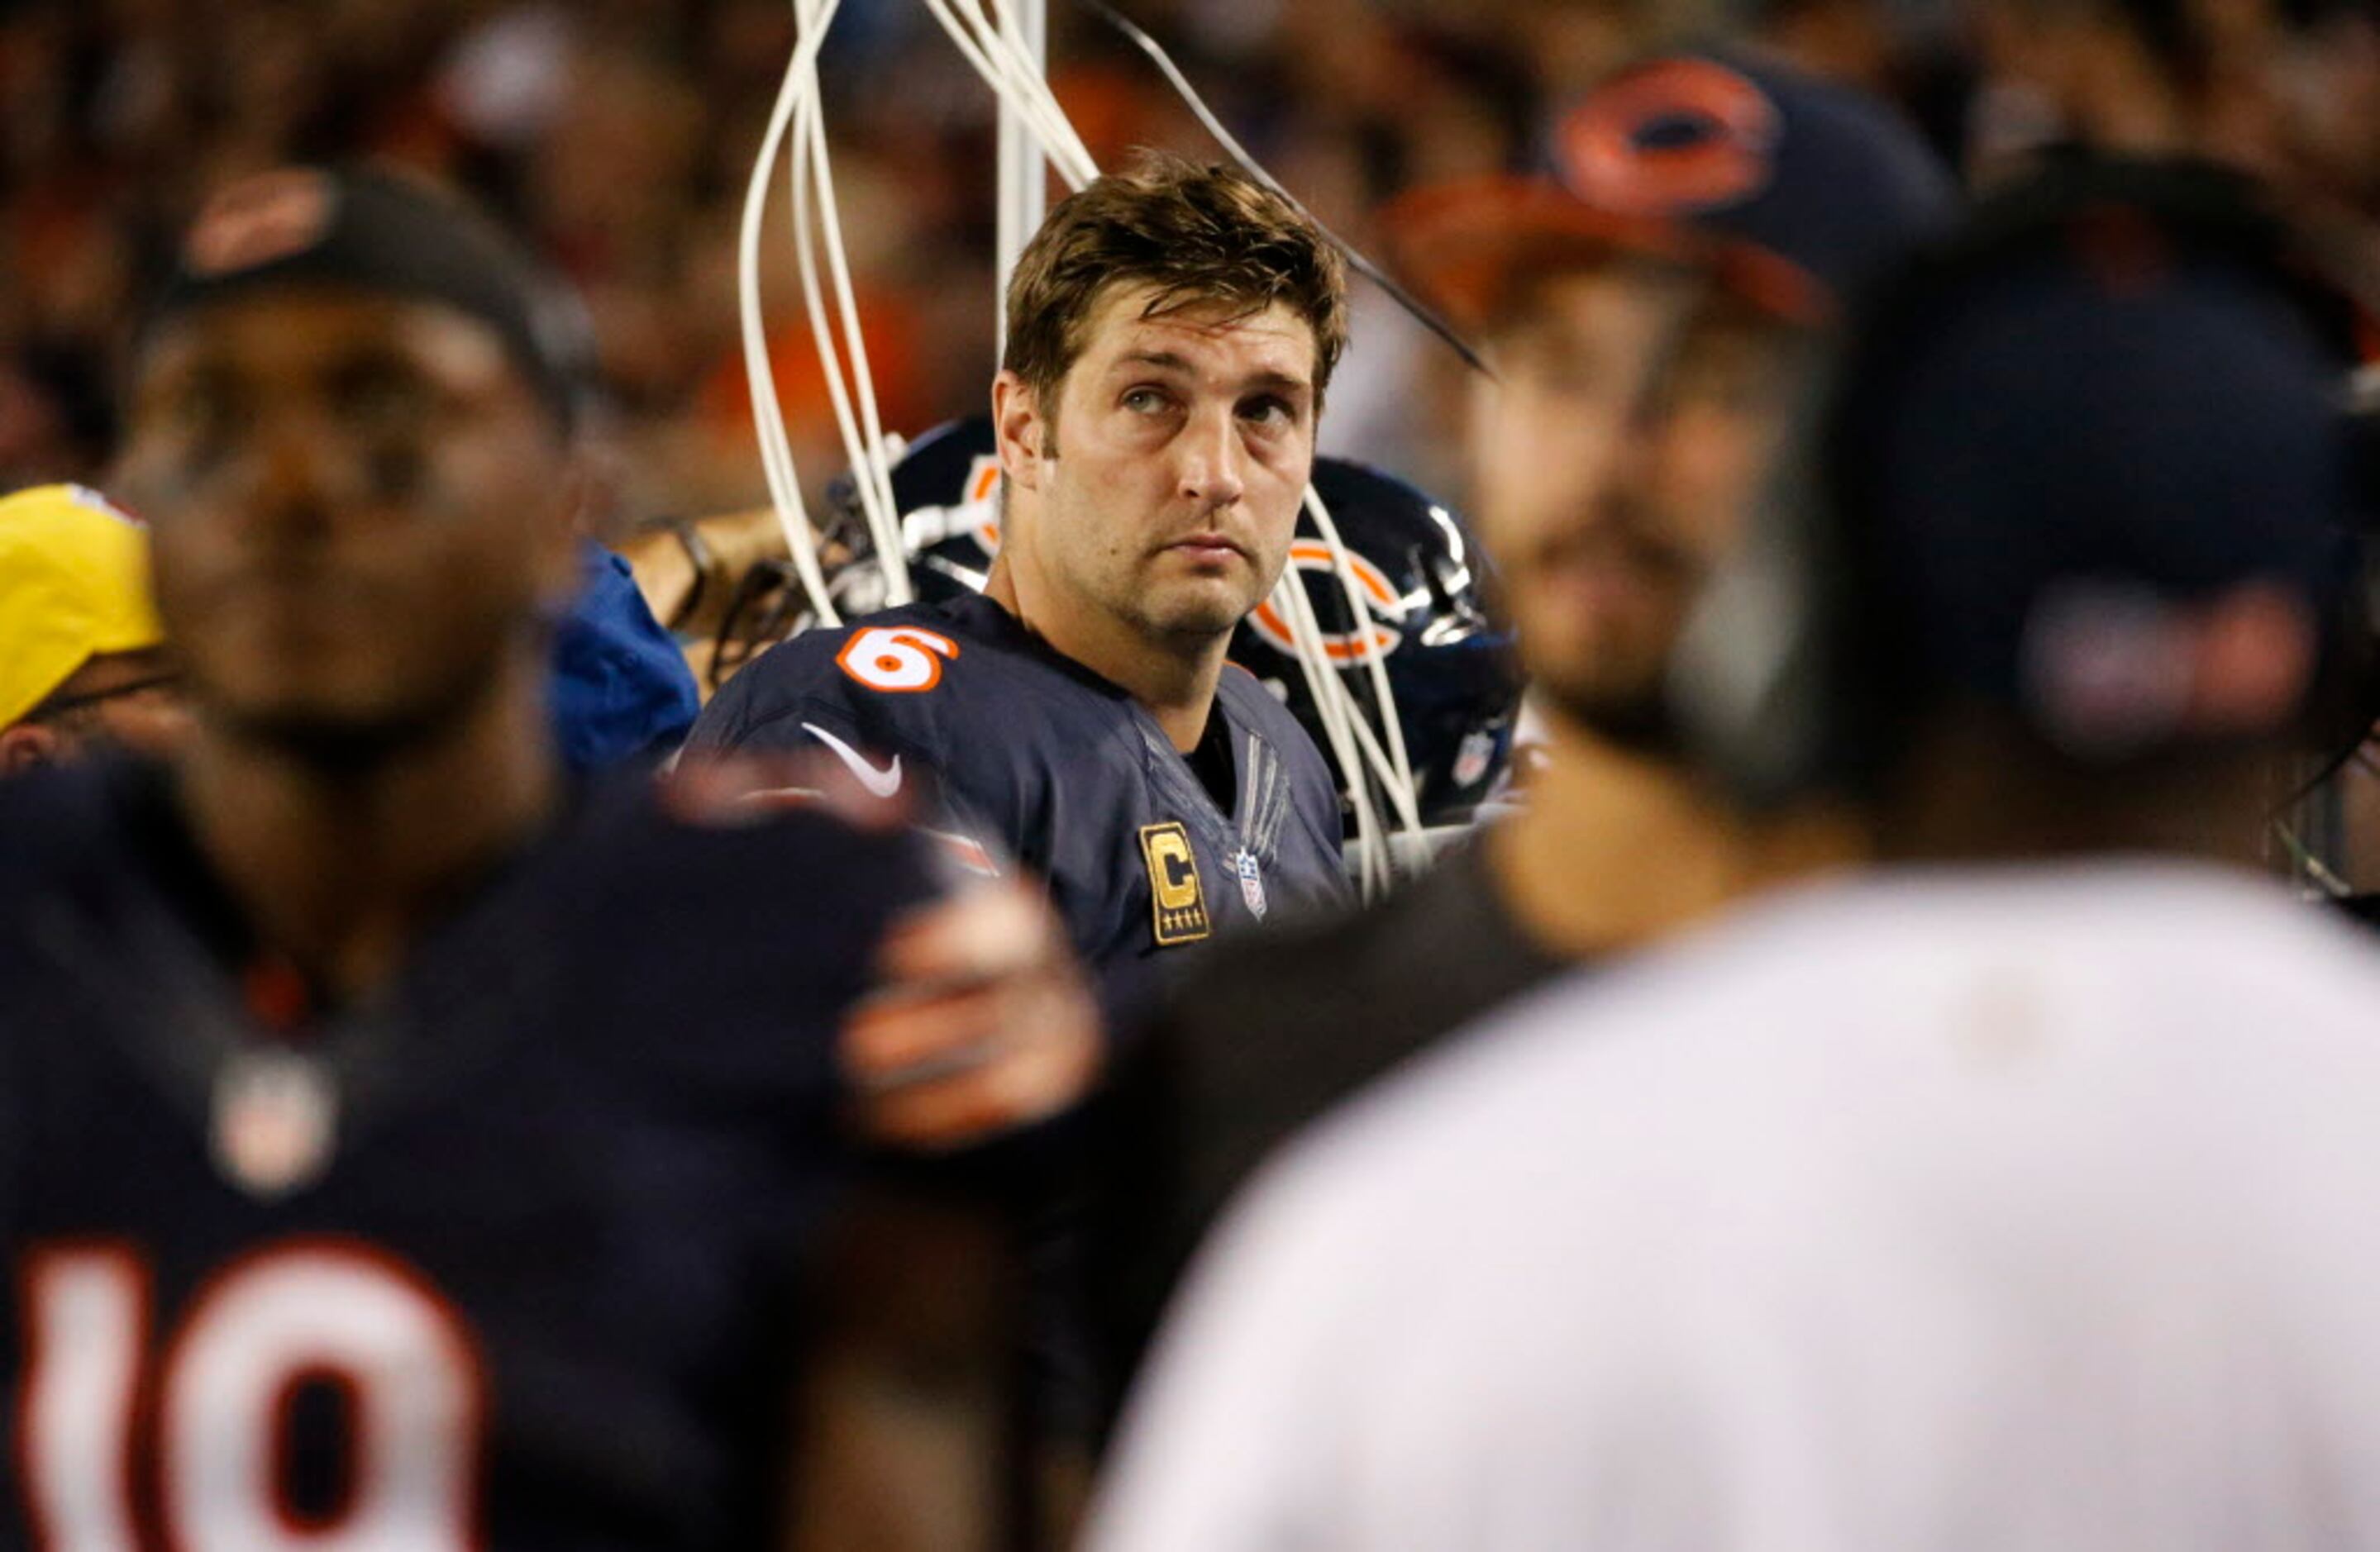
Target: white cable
[
  {"x": 863, "y": 442},
  {"x": 1003, "y": 42},
  {"x": 996, "y": 50},
  {"x": 1408, "y": 817},
  {"x": 1290, "y": 598},
  {"x": 870, "y": 465},
  {"x": 1366, "y": 840},
  {"x": 1011, "y": 74},
  {"x": 776, "y": 457},
  {"x": 1398, "y": 776},
  {"x": 863, "y": 436},
  {"x": 1016, "y": 82},
  {"x": 767, "y": 415},
  {"x": 999, "y": 53},
  {"x": 1010, "y": 30},
  {"x": 1337, "y": 713},
  {"x": 875, "y": 463}
]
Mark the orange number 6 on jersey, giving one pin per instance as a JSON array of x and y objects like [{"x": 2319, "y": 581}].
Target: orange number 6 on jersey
[{"x": 901, "y": 659}]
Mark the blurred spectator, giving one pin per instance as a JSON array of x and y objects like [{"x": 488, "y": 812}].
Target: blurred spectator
[
  {"x": 81, "y": 658},
  {"x": 618, "y": 135},
  {"x": 1654, "y": 341},
  {"x": 2285, "y": 89},
  {"x": 543, "y": 1077},
  {"x": 1993, "y": 1201}
]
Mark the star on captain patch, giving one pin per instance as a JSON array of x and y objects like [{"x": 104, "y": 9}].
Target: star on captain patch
[{"x": 1179, "y": 903}]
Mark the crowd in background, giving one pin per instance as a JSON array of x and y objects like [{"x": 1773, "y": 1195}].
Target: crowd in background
[
  {"x": 2045, "y": 664},
  {"x": 618, "y": 136}
]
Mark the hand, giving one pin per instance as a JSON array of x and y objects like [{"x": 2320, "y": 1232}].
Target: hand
[
  {"x": 982, "y": 1021},
  {"x": 687, "y": 569}
]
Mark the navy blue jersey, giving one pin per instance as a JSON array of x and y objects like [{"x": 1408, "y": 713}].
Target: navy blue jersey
[
  {"x": 1040, "y": 759},
  {"x": 504, "y": 1256}
]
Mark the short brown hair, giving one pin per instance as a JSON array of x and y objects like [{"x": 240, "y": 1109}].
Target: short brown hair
[{"x": 1202, "y": 237}]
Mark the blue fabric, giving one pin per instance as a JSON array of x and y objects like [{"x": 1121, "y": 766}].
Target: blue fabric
[{"x": 621, "y": 686}]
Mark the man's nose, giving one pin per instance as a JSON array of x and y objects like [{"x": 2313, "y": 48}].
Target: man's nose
[
  {"x": 294, "y": 478},
  {"x": 1570, "y": 455},
  {"x": 1212, "y": 462}
]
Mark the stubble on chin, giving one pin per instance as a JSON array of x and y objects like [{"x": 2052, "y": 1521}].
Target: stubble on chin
[{"x": 1635, "y": 716}]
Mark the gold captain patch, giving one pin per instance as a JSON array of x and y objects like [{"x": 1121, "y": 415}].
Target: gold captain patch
[{"x": 1180, "y": 904}]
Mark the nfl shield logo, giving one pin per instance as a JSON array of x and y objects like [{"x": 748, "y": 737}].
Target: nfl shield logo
[
  {"x": 275, "y": 1114},
  {"x": 1472, "y": 758},
  {"x": 1252, "y": 882}
]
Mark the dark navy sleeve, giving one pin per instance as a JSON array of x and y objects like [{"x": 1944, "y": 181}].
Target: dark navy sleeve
[
  {"x": 746, "y": 935},
  {"x": 796, "y": 706},
  {"x": 777, "y": 705}
]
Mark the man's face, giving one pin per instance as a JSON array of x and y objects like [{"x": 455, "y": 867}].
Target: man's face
[
  {"x": 1629, "y": 432},
  {"x": 357, "y": 508},
  {"x": 115, "y": 700},
  {"x": 1183, "y": 446},
  {"x": 125, "y": 700}
]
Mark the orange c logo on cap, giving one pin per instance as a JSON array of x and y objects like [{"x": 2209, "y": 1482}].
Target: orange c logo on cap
[
  {"x": 1722, "y": 150},
  {"x": 258, "y": 220}
]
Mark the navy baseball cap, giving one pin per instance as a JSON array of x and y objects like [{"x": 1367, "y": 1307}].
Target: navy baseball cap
[
  {"x": 1794, "y": 192},
  {"x": 2054, "y": 466},
  {"x": 372, "y": 230}
]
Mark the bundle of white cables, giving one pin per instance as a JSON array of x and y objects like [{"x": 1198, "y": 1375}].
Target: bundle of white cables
[{"x": 1368, "y": 745}]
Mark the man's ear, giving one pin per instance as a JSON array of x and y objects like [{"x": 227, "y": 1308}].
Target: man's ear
[
  {"x": 28, "y": 745},
  {"x": 1022, "y": 433}
]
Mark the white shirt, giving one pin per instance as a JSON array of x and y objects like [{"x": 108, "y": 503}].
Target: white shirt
[{"x": 2028, "y": 1210}]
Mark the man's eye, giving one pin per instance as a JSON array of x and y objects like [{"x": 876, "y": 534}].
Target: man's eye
[
  {"x": 198, "y": 410},
  {"x": 1733, "y": 387},
  {"x": 384, "y": 404},
  {"x": 1569, "y": 375},
  {"x": 204, "y": 419},
  {"x": 1271, "y": 414},
  {"x": 1584, "y": 380},
  {"x": 1145, "y": 401}
]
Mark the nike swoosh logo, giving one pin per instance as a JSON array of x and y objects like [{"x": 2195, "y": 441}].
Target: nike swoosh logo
[{"x": 880, "y": 783}]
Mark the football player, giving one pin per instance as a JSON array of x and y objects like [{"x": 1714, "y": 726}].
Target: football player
[
  {"x": 1171, "y": 335},
  {"x": 1991, "y": 1201},
  {"x": 1653, "y": 309},
  {"x": 402, "y": 1145},
  {"x": 1417, "y": 567}
]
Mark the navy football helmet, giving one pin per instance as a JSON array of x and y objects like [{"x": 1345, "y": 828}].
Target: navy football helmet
[{"x": 1450, "y": 669}]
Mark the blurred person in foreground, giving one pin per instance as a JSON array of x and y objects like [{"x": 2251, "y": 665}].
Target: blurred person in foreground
[
  {"x": 401, "y": 1141},
  {"x": 1653, "y": 310},
  {"x": 2003, "y": 1197},
  {"x": 1172, "y": 331},
  {"x": 82, "y": 659},
  {"x": 2246, "y": 108}
]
